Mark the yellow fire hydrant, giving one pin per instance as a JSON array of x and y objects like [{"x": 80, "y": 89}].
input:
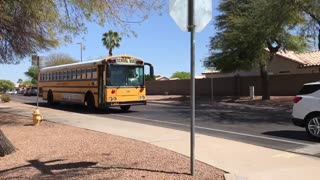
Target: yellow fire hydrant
[{"x": 36, "y": 117}]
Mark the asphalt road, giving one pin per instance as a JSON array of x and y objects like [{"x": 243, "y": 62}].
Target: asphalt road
[{"x": 264, "y": 126}]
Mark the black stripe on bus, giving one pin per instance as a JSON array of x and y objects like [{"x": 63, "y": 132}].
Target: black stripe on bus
[
  {"x": 70, "y": 92},
  {"x": 62, "y": 86},
  {"x": 95, "y": 79}
]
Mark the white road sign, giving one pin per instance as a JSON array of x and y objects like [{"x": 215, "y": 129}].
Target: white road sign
[
  {"x": 178, "y": 10},
  {"x": 38, "y": 61}
]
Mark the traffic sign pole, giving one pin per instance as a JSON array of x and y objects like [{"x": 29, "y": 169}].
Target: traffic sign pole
[
  {"x": 191, "y": 16},
  {"x": 191, "y": 29}
]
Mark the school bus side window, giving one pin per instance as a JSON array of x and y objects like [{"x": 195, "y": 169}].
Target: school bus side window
[
  {"x": 68, "y": 75},
  {"x": 83, "y": 74},
  {"x": 78, "y": 73},
  {"x": 64, "y": 75},
  {"x": 89, "y": 73},
  {"x": 74, "y": 75},
  {"x": 94, "y": 73},
  {"x": 61, "y": 75}
]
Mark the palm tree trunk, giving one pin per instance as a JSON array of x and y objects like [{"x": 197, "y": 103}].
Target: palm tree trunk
[
  {"x": 110, "y": 52},
  {"x": 5, "y": 145}
]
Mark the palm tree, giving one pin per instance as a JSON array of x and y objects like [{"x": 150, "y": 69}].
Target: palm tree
[
  {"x": 20, "y": 81},
  {"x": 111, "y": 40}
]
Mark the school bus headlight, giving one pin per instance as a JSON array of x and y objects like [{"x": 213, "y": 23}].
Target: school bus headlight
[
  {"x": 112, "y": 98},
  {"x": 141, "y": 97}
]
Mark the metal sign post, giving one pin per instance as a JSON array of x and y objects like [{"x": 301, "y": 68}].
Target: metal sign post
[
  {"x": 36, "y": 62},
  {"x": 191, "y": 16},
  {"x": 191, "y": 28}
]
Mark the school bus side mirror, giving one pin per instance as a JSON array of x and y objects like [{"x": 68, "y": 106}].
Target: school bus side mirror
[{"x": 151, "y": 69}]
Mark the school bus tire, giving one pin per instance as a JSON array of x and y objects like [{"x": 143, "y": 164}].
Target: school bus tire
[
  {"x": 50, "y": 98},
  {"x": 89, "y": 102}
]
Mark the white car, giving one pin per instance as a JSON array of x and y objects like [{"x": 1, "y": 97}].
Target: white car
[
  {"x": 306, "y": 109},
  {"x": 12, "y": 92}
]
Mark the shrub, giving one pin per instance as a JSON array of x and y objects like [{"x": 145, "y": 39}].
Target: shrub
[{"x": 5, "y": 97}]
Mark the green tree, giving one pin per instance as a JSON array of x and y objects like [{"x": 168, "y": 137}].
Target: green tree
[
  {"x": 59, "y": 59},
  {"x": 29, "y": 26},
  {"x": 6, "y": 85},
  {"x": 247, "y": 28},
  {"x": 32, "y": 73},
  {"x": 27, "y": 83},
  {"x": 111, "y": 40},
  {"x": 181, "y": 75}
]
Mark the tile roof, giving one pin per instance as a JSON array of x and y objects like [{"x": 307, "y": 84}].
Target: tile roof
[{"x": 305, "y": 59}]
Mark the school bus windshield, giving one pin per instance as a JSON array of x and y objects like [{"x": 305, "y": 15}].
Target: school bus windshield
[{"x": 122, "y": 75}]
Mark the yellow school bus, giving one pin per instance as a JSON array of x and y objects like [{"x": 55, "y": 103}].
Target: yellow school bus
[{"x": 102, "y": 83}]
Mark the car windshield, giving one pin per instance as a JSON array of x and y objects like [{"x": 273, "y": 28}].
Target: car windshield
[{"x": 122, "y": 75}]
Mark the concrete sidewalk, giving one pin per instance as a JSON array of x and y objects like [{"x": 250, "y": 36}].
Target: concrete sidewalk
[{"x": 243, "y": 161}]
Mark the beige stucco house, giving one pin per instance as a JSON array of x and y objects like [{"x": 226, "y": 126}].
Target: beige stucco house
[{"x": 283, "y": 63}]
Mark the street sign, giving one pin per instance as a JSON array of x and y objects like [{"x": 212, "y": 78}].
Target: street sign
[
  {"x": 38, "y": 61},
  {"x": 35, "y": 60},
  {"x": 42, "y": 61},
  {"x": 178, "y": 10}
]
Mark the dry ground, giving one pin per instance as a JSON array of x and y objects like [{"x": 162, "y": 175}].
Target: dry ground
[{"x": 54, "y": 151}]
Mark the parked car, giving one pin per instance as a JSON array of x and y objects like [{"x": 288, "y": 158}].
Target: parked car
[
  {"x": 12, "y": 92},
  {"x": 25, "y": 91},
  {"x": 21, "y": 91},
  {"x": 306, "y": 109},
  {"x": 31, "y": 91}
]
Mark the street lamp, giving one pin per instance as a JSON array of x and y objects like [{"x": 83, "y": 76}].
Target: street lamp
[{"x": 80, "y": 51}]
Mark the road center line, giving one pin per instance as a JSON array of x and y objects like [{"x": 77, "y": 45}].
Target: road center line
[{"x": 217, "y": 130}]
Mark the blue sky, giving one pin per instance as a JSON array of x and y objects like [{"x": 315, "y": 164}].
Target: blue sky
[{"x": 159, "y": 42}]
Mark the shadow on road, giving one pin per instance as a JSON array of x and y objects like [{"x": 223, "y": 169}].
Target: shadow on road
[
  {"x": 76, "y": 108},
  {"x": 289, "y": 134}
]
